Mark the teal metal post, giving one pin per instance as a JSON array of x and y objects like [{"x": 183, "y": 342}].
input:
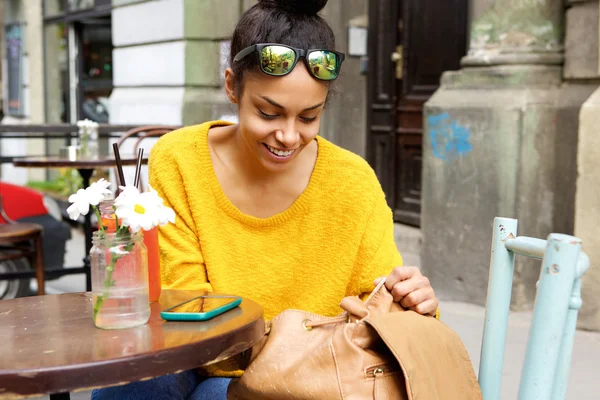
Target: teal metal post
[
  {"x": 561, "y": 380},
  {"x": 497, "y": 309},
  {"x": 549, "y": 317}
]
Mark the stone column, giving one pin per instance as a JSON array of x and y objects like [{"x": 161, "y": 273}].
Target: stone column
[
  {"x": 500, "y": 140},
  {"x": 167, "y": 61},
  {"x": 518, "y": 32},
  {"x": 35, "y": 64},
  {"x": 582, "y": 63},
  {"x": 35, "y": 97}
]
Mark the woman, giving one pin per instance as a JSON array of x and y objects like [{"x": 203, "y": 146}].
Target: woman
[{"x": 266, "y": 208}]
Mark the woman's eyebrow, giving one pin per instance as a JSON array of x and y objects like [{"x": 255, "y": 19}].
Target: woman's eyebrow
[{"x": 275, "y": 104}]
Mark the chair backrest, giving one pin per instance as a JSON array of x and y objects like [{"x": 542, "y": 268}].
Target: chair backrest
[
  {"x": 4, "y": 219},
  {"x": 557, "y": 302},
  {"x": 141, "y": 133},
  {"x": 20, "y": 202}
]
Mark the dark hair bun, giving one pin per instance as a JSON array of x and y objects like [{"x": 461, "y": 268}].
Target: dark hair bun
[{"x": 307, "y": 7}]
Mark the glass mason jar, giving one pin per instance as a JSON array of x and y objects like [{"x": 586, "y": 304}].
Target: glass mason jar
[
  {"x": 119, "y": 280},
  {"x": 108, "y": 221}
]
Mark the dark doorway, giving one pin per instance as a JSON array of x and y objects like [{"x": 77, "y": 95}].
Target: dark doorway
[{"x": 411, "y": 43}]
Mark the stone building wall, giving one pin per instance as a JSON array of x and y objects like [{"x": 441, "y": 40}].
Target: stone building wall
[{"x": 512, "y": 116}]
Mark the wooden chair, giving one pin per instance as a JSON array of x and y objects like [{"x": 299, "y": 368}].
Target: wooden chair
[
  {"x": 141, "y": 133},
  {"x": 557, "y": 302},
  {"x": 22, "y": 240}
]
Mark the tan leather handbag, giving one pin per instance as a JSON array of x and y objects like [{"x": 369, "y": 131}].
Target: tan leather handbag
[{"x": 374, "y": 350}]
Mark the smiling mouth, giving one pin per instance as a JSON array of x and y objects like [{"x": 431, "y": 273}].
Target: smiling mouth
[{"x": 279, "y": 153}]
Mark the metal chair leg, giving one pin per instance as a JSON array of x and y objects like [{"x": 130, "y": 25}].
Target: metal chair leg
[
  {"x": 39, "y": 265},
  {"x": 60, "y": 396}
]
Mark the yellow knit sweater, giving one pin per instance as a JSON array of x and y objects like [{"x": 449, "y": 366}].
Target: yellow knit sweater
[{"x": 334, "y": 241}]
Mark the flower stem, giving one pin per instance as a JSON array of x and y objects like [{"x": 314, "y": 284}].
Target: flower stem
[
  {"x": 121, "y": 233},
  {"x": 116, "y": 219},
  {"x": 99, "y": 218},
  {"x": 108, "y": 283}
]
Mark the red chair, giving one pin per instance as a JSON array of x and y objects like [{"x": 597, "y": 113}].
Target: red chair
[{"x": 22, "y": 239}]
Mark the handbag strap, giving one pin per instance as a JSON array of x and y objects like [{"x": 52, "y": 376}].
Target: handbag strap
[
  {"x": 375, "y": 291},
  {"x": 309, "y": 325}
]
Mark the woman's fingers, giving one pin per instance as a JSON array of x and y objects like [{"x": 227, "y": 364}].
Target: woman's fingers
[
  {"x": 411, "y": 289},
  {"x": 415, "y": 298},
  {"x": 404, "y": 288},
  {"x": 428, "y": 307},
  {"x": 400, "y": 274}
]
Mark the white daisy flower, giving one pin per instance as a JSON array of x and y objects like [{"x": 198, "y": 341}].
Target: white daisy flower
[
  {"x": 84, "y": 198},
  {"x": 126, "y": 191},
  {"x": 98, "y": 191},
  {"x": 142, "y": 210},
  {"x": 80, "y": 206},
  {"x": 88, "y": 128}
]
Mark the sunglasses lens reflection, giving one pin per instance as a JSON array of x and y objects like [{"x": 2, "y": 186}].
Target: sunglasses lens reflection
[
  {"x": 324, "y": 64},
  {"x": 277, "y": 60}
]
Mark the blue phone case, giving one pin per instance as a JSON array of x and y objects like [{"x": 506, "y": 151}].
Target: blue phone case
[{"x": 173, "y": 316}]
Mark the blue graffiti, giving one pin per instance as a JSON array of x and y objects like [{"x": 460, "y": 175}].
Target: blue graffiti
[{"x": 448, "y": 138}]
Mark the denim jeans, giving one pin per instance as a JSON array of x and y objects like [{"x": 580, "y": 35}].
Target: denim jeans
[{"x": 183, "y": 386}]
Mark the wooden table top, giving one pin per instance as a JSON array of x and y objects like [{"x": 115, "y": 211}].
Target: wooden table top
[
  {"x": 83, "y": 163},
  {"x": 49, "y": 344}
]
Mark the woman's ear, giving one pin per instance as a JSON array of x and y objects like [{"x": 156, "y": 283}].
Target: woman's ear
[{"x": 230, "y": 85}]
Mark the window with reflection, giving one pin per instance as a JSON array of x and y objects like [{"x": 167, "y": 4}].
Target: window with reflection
[
  {"x": 81, "y": 4},
  {"x": 81, "y": 29},
  {"x": 75, "y": 5},
  {"x": 96, "y": 68}
]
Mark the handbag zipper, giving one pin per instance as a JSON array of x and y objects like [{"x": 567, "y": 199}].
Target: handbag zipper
[
  {"x": 379, "y": 370},
  {"x": 381, "y": 387}
]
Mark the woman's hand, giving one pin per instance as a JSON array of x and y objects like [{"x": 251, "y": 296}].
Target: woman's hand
[{"x": 412, "y": 290}]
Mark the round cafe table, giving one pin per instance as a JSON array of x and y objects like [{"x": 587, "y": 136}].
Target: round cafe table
[
  {"x": 85, "y": 167},
  {"x": 49, "y": 344}
]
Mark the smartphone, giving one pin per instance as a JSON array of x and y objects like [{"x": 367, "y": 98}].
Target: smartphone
[{"x": 201, "y": 308}]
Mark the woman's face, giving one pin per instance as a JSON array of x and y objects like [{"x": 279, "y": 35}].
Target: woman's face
[{"x": 280, "y": 116}]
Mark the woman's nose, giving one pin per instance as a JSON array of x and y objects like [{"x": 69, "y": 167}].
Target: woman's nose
[{"x": 288, "y": 137}]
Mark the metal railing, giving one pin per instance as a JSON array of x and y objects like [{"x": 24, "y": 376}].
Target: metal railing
[{"x": 49, "y": 132}]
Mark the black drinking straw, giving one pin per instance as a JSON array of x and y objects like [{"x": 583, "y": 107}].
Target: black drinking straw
[
  {"x": 119, "y": 165},
  {"x": 138, "y": 167}
]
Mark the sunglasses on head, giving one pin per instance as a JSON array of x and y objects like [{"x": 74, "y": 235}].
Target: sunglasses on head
[{"x": 280, "y": 60}]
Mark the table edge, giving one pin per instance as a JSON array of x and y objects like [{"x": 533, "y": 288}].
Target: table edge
[{"x": 192, "y": 356}]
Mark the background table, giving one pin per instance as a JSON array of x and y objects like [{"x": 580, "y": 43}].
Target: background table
[
  {"x": 49, "y": 344},
  {"x": 85, "y": 167}
]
